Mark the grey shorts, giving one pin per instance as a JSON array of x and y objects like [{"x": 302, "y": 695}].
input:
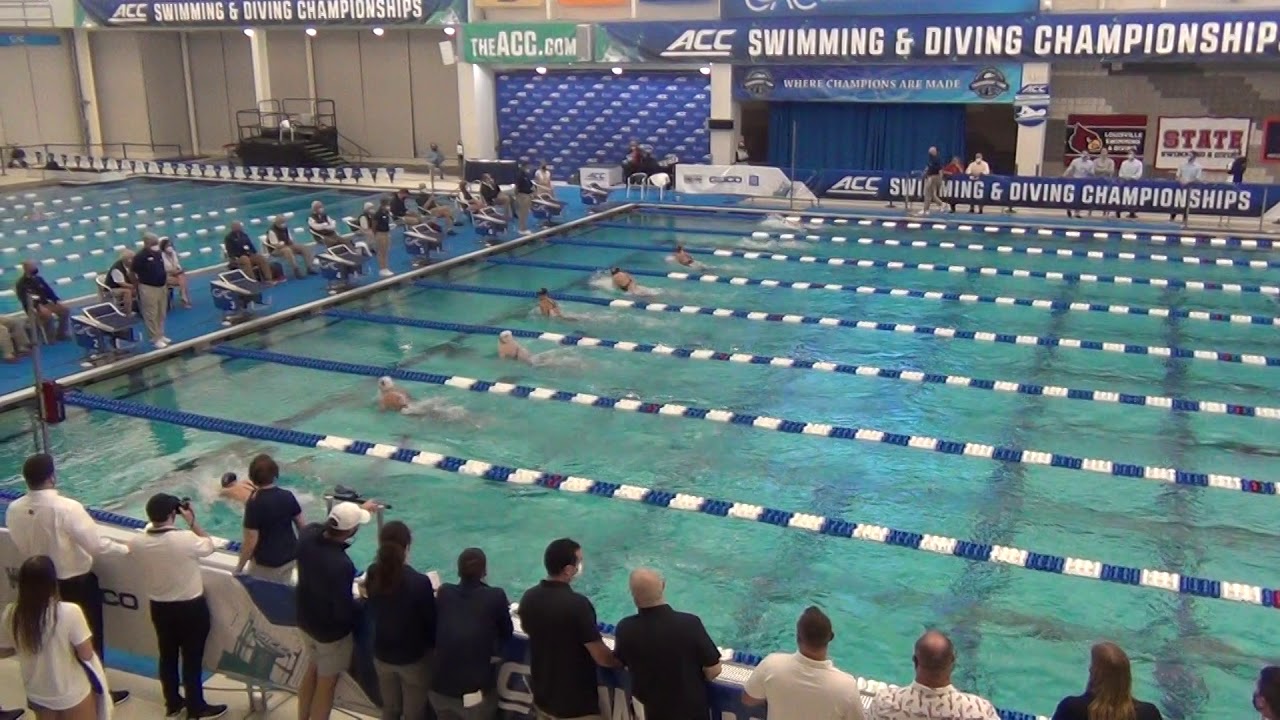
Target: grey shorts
[
  {"x": 329, "y": 658},
  {"x": 282, "y": 574}
]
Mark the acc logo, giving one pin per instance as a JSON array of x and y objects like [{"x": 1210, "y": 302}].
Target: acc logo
[
  {"x": 701, "y": 43},
  {"x": 129, "y": 13},
  {"x": 764, "y": 6},
  {"x": 758, "y": 82},
  {"x": 989, "y": 84},
  {"x": 856, "y": 185}
]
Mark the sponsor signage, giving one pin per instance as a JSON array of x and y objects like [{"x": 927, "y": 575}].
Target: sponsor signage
[
  {"x": 817, "y": 8},
  {"x": 31, "y": 39},
  {"x": 952, "y": 38},
  {"x": 880, "y": 83},
  {"x": 1031, "y": 104},
  {"x": 240, "y": 13},
  {"x": 1117, "y": 134},
  {"x": 1162, "y": 196},
  {"x": 521, "y": 43},
  {"x": 744, "y": 180},
  {"x": 1215, "y": 141}
]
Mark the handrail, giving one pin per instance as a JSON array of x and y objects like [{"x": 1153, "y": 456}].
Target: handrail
[{"x": 361, "y": 152}]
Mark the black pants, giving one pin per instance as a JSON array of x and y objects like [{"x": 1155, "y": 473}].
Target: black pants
[
  {"x": 83, "y": 590},
  {"x": 181, "y": 628}
]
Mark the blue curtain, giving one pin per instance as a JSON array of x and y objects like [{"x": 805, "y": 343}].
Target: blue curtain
[{"x": 863, "y": 136}]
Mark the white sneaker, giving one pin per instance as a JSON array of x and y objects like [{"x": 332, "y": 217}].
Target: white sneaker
[
  {"x": 385, "y": 273},
  {"x": 166, "y": 339},
  {"x": 161, "y": 344}
]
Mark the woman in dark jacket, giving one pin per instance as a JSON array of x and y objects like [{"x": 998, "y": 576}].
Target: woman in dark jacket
[
  {"x": 403, "y": 607},
  {"x": 1109, "y": 694}
]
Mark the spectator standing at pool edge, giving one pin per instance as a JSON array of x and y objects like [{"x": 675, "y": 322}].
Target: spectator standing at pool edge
[
  {"x": 932, "y": 181},
  {"x": 931, "y": 695},
  {"x": 805, "y": 684},
  {"x": 1109, "y": 692},
  {"x": 473, "y": 623},
  {"x": 272, "y": 519},
  {"x": 153, "y": 288}
]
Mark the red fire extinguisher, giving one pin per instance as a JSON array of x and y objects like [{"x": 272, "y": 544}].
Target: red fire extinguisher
[{"x": 52, "y": 407}]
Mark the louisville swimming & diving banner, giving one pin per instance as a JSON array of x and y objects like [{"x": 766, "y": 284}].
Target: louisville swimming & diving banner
[
  {"x": 1154, "y": 196},
  {"x": 919, "y": 83},
  {"x": 240, "y": 13},
  {"x": 952, "y": 38}
]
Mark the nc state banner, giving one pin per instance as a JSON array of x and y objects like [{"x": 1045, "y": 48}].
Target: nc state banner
[{"x": 1215, "y": 141}]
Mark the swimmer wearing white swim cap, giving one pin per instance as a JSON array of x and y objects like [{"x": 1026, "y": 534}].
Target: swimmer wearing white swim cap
[
  {"x": 391, "y": 397},
  {"x": 509, "y": 349}
]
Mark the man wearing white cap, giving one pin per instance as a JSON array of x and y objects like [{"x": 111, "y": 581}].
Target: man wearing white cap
[{"x": 326, "y": 605}]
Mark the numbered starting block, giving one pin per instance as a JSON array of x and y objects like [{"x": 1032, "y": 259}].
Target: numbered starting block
[
  {"x": 236, "y": 294},
  {"x": 489, "y": 221},
  {"x": 546, "y": 208},
  {"x": 339, "y": 264},
  {"x": 593, "y": 194},
  {"x": 420, "y": 240},
  {"x": 104, "y": 333}
]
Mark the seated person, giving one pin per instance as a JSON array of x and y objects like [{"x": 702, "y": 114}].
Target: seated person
[
  {"x": 173, "y": 268},
  {"x": 542, "y": 181},
  {"x": 14, "y": 341},
  {"x": 326, "y": 230},
  {"x": 473, "y": 203},
  {"x": 18, "y": 159},
  {"x": 279, "y": 244},
  {"x": 400, "y": 211},
  {"x": 634, "y": 162},
  {"x": 493, "y": 195},
  {"x": 442, "y": 212},
  {"x": 120, "y": 282},
  {"x": 36, "y": 295},
  {"x": 235, "y": 489},
  {"x": 242, "y": 254}
]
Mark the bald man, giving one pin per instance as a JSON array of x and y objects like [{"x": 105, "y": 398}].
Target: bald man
[
  {"x": 805, "y": 684},
  {"x": 931, "y": 695},
  {"x": 670, "y": 655}
]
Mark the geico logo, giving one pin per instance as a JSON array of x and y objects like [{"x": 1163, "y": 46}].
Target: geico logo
[
  {"x": 725, "y": 179},
  {"x": 112, "y": 598},
  {"x": 857, "y": 183}
]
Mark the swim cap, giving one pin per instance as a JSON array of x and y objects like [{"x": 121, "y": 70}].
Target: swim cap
[
  {"x": 385, "y": 382},
  {"x": 504, "y": 335}
]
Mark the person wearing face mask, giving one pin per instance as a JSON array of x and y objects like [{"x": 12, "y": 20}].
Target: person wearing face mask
[
  {"x": 281, "y": 245},
  {"x": 403, "y": 606},
  {"x": 564, "y": 640},
  {"x": 1266, "y": 694},
  {"x": 37, "y": 296},
  {"x": 152, "y": 282},
  {"x": 1130, "y": 171},
  {"x": 473, "y": 623}
]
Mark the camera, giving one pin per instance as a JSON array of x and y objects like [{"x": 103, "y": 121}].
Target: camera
[{"x": 185, "y": 504}]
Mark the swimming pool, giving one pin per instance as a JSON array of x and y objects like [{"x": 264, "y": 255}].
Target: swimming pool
[
  {"x": 1022, "y": 636},
  {"x": 76, "y": 231}
]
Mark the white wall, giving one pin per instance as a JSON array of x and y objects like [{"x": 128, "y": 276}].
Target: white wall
[
  {"x": 122, "y": 92},
  {"x": 221, "y": 84},
  {"x": 39, "y": 97}
]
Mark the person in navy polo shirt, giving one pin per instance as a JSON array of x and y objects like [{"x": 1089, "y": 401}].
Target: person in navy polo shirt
[
  {"x": 36, "y": 295},
  {"x": 242, "y": 253},
  {"x": 272, "y": 518},
  {"x": 153, "y": 288},
  {"x": 473, "y": 623},
  {"x": 932, "y": 181}
]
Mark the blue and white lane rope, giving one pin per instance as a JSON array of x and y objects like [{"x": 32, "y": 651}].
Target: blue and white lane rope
[
  {"x": 1037, "y": 303},
  {"x": 1105, "y": 396},
  {"x": 905, "y": 328},
  {"x": 947, "y": 447},
  {"x": 836, "y": 527},
  {"x": 1022, "y": 273},
  {"x": 1034, "y": 250}
]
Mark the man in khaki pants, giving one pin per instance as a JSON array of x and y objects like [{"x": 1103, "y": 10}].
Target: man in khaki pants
[{"x": 153, "y": 288}]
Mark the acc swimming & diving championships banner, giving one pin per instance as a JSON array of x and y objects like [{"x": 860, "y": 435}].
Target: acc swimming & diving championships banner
[
  {"x": 239, "y": 13},
  {"x": 920, "y": 83},
  {"x": 1162, "y": 196},
  {"x": 956, "y": 38}
]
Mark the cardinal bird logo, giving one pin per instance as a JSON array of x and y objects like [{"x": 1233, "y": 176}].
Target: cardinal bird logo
[{"x": 1084, "y": 139}]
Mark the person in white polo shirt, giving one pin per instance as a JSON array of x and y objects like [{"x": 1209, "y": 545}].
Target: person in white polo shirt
[
  {"x": 170, "y": 561},
  {"x": 931, "y": 695},
  {"x": 1189, "y": 173},
  {"x": 42, "y": 522},
  {"x": 805, "y": 685}
]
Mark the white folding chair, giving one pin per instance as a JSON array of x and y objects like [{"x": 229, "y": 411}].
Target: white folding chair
[
  {"x": 660, "y": 181},
  {"x": 639, "y": 181}
]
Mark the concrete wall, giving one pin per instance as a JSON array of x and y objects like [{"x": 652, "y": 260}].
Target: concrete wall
[{"x": 41, "y": 102}]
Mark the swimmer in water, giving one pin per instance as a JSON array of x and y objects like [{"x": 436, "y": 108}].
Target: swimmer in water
[
  {"x": 547, "y": 306},
  {"x": 682, "y": 257},
  {"x": 622, "y": 279},
  {"x": 235, "y": 489},
  {"x": 509, "y": 349},
  {"x": 391, "y": 397}
]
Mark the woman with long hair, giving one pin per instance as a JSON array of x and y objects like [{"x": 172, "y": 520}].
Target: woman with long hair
[
  {"x": 1109, "y": 694},
  {"x": 1266, "y": 696},
  {"x": 173, "y": 269},
  {"x": 51, "y": 639},
  {"x": 403, "y": 606}
]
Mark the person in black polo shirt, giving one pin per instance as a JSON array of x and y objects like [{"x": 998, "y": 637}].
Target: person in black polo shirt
[
  {"x": 400, "y": 209},
  {"x": 472, "y": 625},
  {"x": 35, "y": 294},
  {"x": 564, "y": 641},
  {"x": 669, "y": 654},
  {"x": 271, "y": 518},
  {"x": 120, "y": 282},
  {"x": 524, "y": 196},
  {"x": 382, "y": 222},
  {"x": 493, "y": 195},
  {"x": 326, "y": 607},
  {"x": 153, "y": 288},
  {"x": 243, "y": 255},
  {"x": 932, "y": 181},
  {"x": 403, "y": 605}
]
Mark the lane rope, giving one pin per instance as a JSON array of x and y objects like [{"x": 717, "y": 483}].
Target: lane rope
[
  {"x": 835, "y": 527},
  {"x": 947, "y": 447},
  {"x": 905, "y": 328},
  {"x": 1038, "y": 303},
  {"x": 1160, "y": 402},
  {"x": 1021, "y": 273}
]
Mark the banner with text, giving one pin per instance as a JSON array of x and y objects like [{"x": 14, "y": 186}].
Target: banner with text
[
  {"x": 744, "y": 180},
  {"x": 1215, "y": 141},
  {"x": 1117, "y": 134},
  {"x": 744, "y": 9},
  {"x": 523, "y": 43},
  {"x": 880, "y": 83},
  {"x": 242, "y": 13},
  {"x": 1156, "y": 196},
  {"x": 958, "y": 38},
  {"x": 492, "y": 4}
]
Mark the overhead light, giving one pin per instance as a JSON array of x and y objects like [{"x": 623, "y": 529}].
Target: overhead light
[
  {"x": 540, "y": 70},
  {"x": 450, "y": 31},
  {"x": 248, "y": 31},
  {"x": 378, "y": 31},
  {"x": 705, "y": 69},
  {"x": 311, "y": 32},
  {"x": 617, "y": 71}
]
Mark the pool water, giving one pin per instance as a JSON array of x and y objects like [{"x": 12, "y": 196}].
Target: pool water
[
  {"x": 1022, "y": 637},
  {"x": 78, "y": 231}
]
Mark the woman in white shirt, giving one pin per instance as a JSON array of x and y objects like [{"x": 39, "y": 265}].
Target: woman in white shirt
[
  {"x": 51, "y": 639},
  {"x": 173, "y": 267},
  {"x": 542, "y": 181}
]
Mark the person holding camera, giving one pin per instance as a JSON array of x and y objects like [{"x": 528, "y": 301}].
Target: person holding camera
[{"x": 170, "y": 559}]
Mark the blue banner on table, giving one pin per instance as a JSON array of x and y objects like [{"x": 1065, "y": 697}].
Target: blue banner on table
[
  {"x": 816, "y": 8},
  {"x": 953, "y": 38},
  {"x": 1155, "y": 196},
  {"x": 241, "y": 13},
  {"x": 918, "y": 83}
]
